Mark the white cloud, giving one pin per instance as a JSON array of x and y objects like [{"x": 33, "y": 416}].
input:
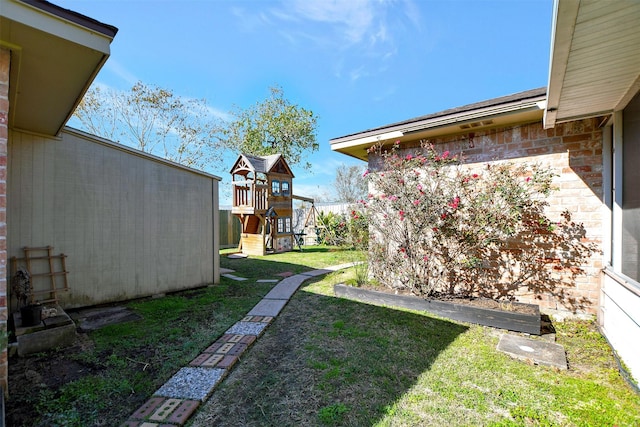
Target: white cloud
[
  {"x": 218, "y": 113},
  {"x": 250, "y": 21},
  {"x": 357, "y": 34},
  {"x": 358, "y": 73},
  {"x": 352, "y": 19},
  {"x": 119, "y": 70}
]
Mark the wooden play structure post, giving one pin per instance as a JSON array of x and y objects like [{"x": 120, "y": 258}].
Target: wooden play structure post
[{"x": 262, "y": 201}]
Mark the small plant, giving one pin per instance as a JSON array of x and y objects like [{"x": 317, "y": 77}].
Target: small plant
[{"x": 21, "y": 286}]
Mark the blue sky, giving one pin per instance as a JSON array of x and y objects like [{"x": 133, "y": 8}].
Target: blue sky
[{"x": 357, "y": 64}]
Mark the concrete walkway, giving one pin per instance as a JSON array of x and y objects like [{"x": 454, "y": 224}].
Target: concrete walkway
[{"x": 179, "y": 398}]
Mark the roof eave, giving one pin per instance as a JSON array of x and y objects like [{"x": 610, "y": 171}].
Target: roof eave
[
  {"x": 594, "y": 66},
  {"x": 563, "y": 25},
  {"x": 72, "y": 48},
  {"x": 527, "y": 109}
]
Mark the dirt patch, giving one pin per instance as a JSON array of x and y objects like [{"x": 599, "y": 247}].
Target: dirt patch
[{"x": 30, "y": 376}]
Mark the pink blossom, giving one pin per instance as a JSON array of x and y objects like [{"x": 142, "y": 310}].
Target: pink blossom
[
  {"x": 454, "y": 203},
  {"x": 416, "y": 202},
  {"x": 409, "y": 157},
  {"x": 528, "y": 179},
  {"x": 475, "y": 176},
  {"x": 445, "y": 155},
  {"x": 435, "y": 229},
  {"x": 425, "y": 258},
  {"x": 365, "y": 173},
  {"x": 443, "y": 215},
  {"x": 393, "y": 198},
  {"x": 419, "y": 187}
]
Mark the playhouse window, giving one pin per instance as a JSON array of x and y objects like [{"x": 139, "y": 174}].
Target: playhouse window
[
  {"x": 285, "y": 188},
  {"x": 275, "y": 187},
  {"x": 283, "y": 225}
]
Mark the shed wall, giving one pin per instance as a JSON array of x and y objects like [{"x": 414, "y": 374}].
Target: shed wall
[{"x": 131, "y": 225}]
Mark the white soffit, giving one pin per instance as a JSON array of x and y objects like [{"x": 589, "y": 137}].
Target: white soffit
[
  {"x": 595, "y": 59},
  {"x": 55, "y": 55}
]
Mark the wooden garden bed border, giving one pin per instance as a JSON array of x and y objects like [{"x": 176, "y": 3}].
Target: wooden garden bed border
[{"x": 503, "y": 319}]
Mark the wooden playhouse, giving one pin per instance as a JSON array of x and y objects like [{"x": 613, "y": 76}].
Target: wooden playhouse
[{"x": 262, "y": 201}]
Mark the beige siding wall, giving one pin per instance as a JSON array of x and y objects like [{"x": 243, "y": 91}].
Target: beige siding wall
[{"x": 130, "y": 225}]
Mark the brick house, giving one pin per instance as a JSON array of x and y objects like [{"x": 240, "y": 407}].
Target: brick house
[{"x": 585, "y": 126}]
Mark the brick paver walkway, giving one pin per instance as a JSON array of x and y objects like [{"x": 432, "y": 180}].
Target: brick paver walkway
[{"x": 179, "y": 398}]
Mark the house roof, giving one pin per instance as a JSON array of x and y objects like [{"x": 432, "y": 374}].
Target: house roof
[
  {"x": 517, "y": 107},
  {"x": 55, "y": 55},
  {"x": 595, "y": 59}
]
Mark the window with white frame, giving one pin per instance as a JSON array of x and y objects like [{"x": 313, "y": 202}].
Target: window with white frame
[
  {"x": 621, "y": 151},
  {"x": 284, "y": 225},
  {"x": 630, "y": 227},
  {"x": 285, "y": 188},
  {"x": 275, "y": 187}
]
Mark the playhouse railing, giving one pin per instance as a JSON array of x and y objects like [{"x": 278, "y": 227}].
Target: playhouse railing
[{"x": 250, "y": 196}]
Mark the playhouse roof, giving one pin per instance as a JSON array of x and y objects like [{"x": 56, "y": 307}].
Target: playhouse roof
[{"x": 262, "y": 164}]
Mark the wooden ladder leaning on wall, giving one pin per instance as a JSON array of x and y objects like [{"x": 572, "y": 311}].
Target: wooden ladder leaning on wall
[{"x": 51, "y": 294}]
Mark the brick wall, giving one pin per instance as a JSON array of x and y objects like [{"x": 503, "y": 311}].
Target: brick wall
[
  {"x": 574, "y": 152},
  {"x": 4, "y": 134}
]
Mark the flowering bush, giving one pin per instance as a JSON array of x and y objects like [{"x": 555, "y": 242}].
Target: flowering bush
[{"x": 437, "y": 226}]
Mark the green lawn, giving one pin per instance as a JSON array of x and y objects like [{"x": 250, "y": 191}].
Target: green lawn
[
  {"x": 323, "y": 361},
  {"x": 114, "y": 370},
  {"x": 330, "y": 361}
]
